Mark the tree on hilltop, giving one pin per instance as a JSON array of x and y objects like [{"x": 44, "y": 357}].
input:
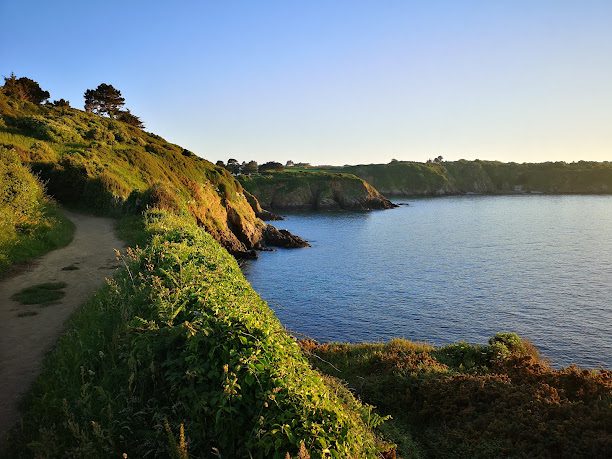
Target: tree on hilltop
[
  {"x": 62, "y": 103},
  {"x": 233, "y": 166},
  {"x": 127, "y": 117},
  {"x": 104, "y": 100},
  {"x": 25, "y": 89},
  {"x": 251, "y": 167}
]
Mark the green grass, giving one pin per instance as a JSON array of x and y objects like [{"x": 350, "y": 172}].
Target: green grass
[
  {"x": 312, "y": 189},
  {"x": 180, "y": 341},
  {"x": 53, "y": 232},
  {"x": 41, "y": 293},
  {"x": 108, "y": 167}
]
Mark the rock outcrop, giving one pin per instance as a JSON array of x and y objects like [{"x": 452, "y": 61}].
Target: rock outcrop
[{"x": 282, "y": 238}]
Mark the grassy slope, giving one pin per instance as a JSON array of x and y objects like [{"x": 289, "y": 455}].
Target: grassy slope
[
  {"x": 471, "y": 401},
  {"x": 312, "y": 189},
  {"x": 180, "y": 341},
  {"x": 110, "y": 167},
  {"x": 31, "y": 224},
  {"x": 451, "y": 177}
]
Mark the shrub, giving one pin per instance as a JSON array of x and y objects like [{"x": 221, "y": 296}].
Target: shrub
[
  {"x": 466, "y": 400},
  {"x": 30, "y": 224}
]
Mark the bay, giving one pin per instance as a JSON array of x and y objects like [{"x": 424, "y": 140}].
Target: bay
[{"x": 441, "y": 270}]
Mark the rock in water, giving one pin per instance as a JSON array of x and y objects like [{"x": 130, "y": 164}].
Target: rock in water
[{"x": 282, "y": 238}]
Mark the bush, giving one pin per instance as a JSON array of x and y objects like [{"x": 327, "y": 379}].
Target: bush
[
  {"x": 30, "y": 224},
  {"x": 466, "y": 400}
]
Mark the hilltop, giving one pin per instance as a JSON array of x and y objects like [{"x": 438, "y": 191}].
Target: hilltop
[
  {"x": 313, "y": 190},
  {"x": 111, "y": 167},
  {"x": 435, "y": 178}
]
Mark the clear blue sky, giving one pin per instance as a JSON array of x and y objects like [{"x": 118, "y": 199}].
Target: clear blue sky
[{"x": 335, "y": 82}]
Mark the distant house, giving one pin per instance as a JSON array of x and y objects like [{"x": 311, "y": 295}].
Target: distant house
[{"x": 289, "y": 164}]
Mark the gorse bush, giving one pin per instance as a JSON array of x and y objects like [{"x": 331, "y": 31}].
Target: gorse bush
[
  {"x": 30, "y": 224},
  {"x": 179, "y": 341},
  {"x": 463, "y": 400}
]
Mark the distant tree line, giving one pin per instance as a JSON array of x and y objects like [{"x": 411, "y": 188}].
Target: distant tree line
[
  {"x": 251, "y": 167},
  {"x": 105, "y": 100}
]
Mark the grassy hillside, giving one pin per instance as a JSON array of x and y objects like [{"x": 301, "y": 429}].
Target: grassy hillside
[
  {"x": 462, "y": 400},
  {"x": 179, "y": 356},
  {"x": 30, "y": 224},
  {"x": 110, "y": 167},
  {"x": 313, "y": 190},
  {"x": 457, "y": 177}
]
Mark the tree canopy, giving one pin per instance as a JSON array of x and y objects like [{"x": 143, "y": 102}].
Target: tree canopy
[
  {"x": 25, "y": 89},
  {"x": 128, "y": 117},
  {"x": 104, "y": 100},
  {"x": 271, "y": 166}
]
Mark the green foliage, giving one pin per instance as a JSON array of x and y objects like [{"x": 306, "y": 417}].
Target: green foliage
[
  {"x": 294, "y": 188},
  {"x": 180, "y": 342},
  {"x": 488, "y": 177},
  {"x": 41, "y": 293},
  {"x": 129, "y": 118},
  {"x": 104, "y": 100},
  {"x": 271, "y": 166},
  {"x": 112, "y": 167},
  {"x": 462, "y": 400},
  {"x": 62, "y": 103},
  {"x": 24, "y": 89},
  {"x": 30, "y": 225}
]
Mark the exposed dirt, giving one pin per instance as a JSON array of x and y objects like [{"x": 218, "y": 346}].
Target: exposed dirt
[{"x": 28, "y": 332}]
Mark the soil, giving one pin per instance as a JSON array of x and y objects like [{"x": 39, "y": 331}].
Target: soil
[{"x": 28, "y": 332}]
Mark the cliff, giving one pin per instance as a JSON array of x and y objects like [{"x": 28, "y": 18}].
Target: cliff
[
  {"x": 314, "y": 190},
  {"x": 485, "y": 177},
  {"x": 110, "y": 167}
]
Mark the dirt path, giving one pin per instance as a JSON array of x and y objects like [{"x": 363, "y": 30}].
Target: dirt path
[{"x": 25, "y": 339}]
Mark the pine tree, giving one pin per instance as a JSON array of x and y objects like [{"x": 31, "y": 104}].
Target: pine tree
[
  {"x": 104, "y": 100},
  {"x": 25, "y": 89}
]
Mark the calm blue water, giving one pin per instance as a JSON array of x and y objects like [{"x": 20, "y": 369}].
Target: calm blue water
[{"x": 447, "y": 269}]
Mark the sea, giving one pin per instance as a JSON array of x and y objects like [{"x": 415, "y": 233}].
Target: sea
[{"x": 448, "y": 269}]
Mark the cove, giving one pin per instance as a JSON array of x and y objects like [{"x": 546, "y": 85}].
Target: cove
[{"x": 442, "y": 270}]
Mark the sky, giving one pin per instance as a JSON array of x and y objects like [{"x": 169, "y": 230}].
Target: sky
[{"x": 335, "y": 82}]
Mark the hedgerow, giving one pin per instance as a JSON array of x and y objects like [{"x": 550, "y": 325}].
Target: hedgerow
[{"x": 180, "y": 342}]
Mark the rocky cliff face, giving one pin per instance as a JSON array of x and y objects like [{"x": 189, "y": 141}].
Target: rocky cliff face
[{"x": 314, "y": 190}]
